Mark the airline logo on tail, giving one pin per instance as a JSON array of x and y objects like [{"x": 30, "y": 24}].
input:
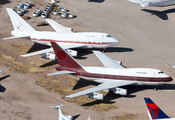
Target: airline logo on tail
[{"x": 154, "y": 110}]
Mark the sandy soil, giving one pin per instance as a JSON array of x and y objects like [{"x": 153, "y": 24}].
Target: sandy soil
[{"x": 146, "y": 40}]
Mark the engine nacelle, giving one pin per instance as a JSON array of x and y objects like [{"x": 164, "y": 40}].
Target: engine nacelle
[
  {"x": 72, "y": 52},
  {"x": 48, "y": 56},
  {"x": 119, "y": 91},
  {"x": 70, "y": 117},
  {"x": 95, "y": 95}
]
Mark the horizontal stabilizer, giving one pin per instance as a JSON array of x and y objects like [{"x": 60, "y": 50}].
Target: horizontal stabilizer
[
  {"x": 38, "y": 52},
  {"x": 57, "y": 27},
  {"x": 13, "y": 37},
  {"x": 103, "y": 86},
  {"x": 60, "y": 73}
]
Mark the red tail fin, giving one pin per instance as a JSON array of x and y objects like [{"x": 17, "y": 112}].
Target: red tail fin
[{"x": 66, "y": 61}]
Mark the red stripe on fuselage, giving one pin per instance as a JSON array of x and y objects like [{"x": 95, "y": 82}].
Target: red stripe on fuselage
[
  {"x": 44, "y": 40},
  {"x": 83, "y": 73}
]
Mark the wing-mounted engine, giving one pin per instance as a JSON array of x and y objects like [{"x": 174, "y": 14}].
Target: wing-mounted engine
[
  {"x": 48, "y": 56},
  {"x": 119, "y": 91},
  {"x": 95, "y": 95},
  {"x": 72, "y": 52},
  {"x": 53, "y": 57}
]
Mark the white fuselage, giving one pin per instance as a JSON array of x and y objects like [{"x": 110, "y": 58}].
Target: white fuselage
[
  {"x": 88, "y": 39},
  {"x": 155, "y": 3},
  {"x": 142, "y": 76}
]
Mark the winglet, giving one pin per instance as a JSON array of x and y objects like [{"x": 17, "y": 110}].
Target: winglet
[{"x": 154, "y": 111}]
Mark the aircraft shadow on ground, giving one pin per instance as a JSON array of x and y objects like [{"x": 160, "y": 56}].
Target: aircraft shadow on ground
[
  {"x": 97, "y": 1},
  {"x": 83, "y": 52},
  {"x": 2, "y": 78},
  {"x": 53, "y": 62},
  {"x": 75, "y": 116},
  {"x": 161, "y": 14},
  {"x": 36, "y": 47},
  {"x": 2, "y": 88},
  {"x": 166, "y": 87}
]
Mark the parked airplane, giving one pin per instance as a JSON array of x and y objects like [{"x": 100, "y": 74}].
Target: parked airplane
[
  {"x": 61, "y": 116},
  {"x": 154, "y": 112},
  {"x": 64, "y": 36},
  {"x": 155, "y": 3},
  {"x": 111, "y": 77}
]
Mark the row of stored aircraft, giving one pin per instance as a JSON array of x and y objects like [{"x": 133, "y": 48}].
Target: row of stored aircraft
[{"x": 112, "y": 77}]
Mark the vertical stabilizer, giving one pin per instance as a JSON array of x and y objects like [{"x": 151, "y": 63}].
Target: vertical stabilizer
[
  {"x": 66, "y": 61},
  {"x": 19, "y": 24},
  {"x": 154, "y": 111}
]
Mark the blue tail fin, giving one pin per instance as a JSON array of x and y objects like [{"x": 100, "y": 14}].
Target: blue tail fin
[{"x": 154, "y": 110}]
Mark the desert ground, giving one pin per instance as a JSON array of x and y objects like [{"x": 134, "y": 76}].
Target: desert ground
[{"x": 146, "y": 38}]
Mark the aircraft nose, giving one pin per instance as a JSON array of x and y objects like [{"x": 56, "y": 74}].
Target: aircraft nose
[{"x": 114, "y": 42}]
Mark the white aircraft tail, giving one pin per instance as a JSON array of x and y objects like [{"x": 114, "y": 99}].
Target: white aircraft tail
[
  {"x": 21, "y": 27},
  {"x": 59, "y": 109}
]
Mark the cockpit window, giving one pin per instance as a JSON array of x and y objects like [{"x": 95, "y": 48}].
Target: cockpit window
[
  {"x": 108, "y": 36},
  {"x": 160, "y": 72}
]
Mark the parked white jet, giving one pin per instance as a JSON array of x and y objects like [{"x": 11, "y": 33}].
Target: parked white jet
[
  {"x": 64, "y": 36},
  {"x": 111, "y": 77},
  {"x": 154, "y": 112},
  {"x": 61, "y": 116},
  {"x": 155, "y": 3}
]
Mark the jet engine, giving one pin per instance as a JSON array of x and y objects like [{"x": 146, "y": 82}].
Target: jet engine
[
  {"x": 48, "y": 56},
  {"x": 72, "y": 52},
  {"x": 119, "y": 91},
  {"x": 95, "y": 95}
]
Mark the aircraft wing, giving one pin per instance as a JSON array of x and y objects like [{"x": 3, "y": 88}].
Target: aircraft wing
[
  {"x": 145, "y": 4},
  {"x": 57, "y": 27},
  {"x": 103, "y": 86},
  {"x": 64, "y": 45},
  {"x": 61, "y": 72},
  {"x": 108, "y": 62},
  {"x": 38, "y": 52}
]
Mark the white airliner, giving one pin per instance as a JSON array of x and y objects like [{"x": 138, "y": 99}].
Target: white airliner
[
  {"x": 61, "y": 116},
  {"x": 112, "y": 76},
  {"x": 154, "y": 112},
  {"x": 64, "y": 36},
  {"x": 155, "y": 3}
]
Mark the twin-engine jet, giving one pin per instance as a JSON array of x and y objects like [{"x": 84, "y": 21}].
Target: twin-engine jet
[
  {"x": 66, "y": 38},
  {"x": 113, "y": 76},
  {"x": 61, "y": 116},
  {"x": 154, "y": 112},
  {"x": 155, "y": 3}
]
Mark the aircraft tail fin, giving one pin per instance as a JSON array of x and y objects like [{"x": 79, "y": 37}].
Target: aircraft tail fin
[
  {"x": 66, "y": 61},
  {"x": 58, "y": 108},
  {"x": 21, "y": 27},
  {"x": 154, "y": 111}
]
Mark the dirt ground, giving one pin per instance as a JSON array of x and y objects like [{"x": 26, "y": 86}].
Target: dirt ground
[{"x": 146, "y": 41}]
